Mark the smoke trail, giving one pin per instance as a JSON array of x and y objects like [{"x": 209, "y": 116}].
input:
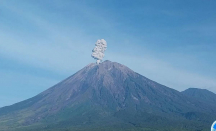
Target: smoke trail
[{"x": 98, "y": 51}]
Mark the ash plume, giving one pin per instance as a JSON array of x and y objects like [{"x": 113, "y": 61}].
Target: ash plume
[{"x": 98, "y": 51}]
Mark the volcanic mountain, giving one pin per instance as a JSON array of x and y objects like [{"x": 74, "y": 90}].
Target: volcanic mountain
[
  {"x": 202, "y": 95},
  {"x": 108, "y": 96}
]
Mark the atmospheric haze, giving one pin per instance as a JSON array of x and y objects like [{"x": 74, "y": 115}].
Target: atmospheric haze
[{"x": 98, "y": 51}]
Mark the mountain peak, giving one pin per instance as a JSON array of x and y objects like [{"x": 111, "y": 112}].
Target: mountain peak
[
  {"x": 104, "y": 94},
  {"x": 197, "y": 90},
  {"x": 107, "y": 61},
  {"x": 104, "y": 64},
  {"x": 107, "y": 68},
  {"x": 201, "y": 95}
]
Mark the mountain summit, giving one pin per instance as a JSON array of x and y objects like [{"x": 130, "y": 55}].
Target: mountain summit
[
  {"x": 201, "y": 95},
  {"x": 108, "y": 96}
]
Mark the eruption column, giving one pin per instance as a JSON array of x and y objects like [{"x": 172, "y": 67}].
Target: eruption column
[{"x": 98, "y": 51}]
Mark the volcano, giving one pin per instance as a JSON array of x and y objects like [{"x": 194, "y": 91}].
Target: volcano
[{"x": 108, "y": 96}]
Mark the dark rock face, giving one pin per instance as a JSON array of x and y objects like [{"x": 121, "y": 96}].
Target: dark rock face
[{"x": 108, "y": 95}]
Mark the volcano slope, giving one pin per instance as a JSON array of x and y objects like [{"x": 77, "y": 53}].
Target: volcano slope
[{"x": 109, "y": 96}]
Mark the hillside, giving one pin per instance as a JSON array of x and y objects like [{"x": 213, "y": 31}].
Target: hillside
[{"x": 109, "y": 96}]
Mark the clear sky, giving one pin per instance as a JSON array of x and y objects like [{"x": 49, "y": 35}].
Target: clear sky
[{"x": 172, "y": 42}]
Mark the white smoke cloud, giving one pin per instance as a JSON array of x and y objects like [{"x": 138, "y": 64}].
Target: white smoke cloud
[{"x": 98, "y": 51}]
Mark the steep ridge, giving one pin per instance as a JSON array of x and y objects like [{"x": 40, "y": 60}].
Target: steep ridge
[{"x": 110, "y": 96}]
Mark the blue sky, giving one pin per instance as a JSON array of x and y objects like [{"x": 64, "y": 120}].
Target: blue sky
[{"x": 44, "y": 41}]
